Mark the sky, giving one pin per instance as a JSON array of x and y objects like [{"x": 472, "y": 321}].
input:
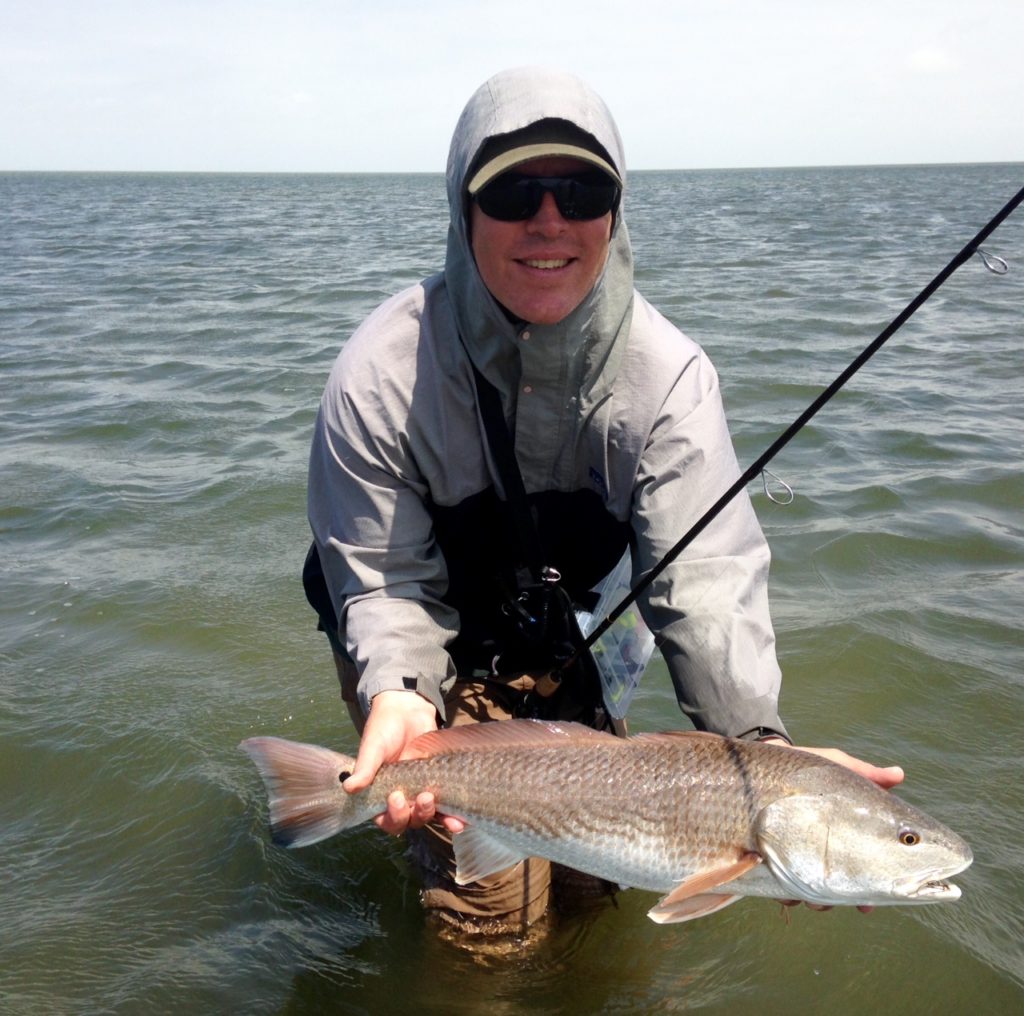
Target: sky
[{"x": 377, "y": 85}]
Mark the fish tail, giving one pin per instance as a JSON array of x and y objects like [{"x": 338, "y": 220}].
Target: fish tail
[{"x": 303, "y": 784}]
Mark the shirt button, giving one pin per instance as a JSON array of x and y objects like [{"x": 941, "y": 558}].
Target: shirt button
[
  {"x": 525, "y": 335},
  {"x": 527, "y": 389}
]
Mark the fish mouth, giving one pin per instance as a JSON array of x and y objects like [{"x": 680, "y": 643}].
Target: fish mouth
[
  {"x": 934, "y": 890},
  {"x": 934, "y": 887}
]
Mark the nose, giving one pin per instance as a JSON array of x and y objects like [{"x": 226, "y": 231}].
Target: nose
[{"x": 548, "y": 220}]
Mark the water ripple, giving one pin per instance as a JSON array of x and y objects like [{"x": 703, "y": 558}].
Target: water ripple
[{"x": 166, "y": 339}]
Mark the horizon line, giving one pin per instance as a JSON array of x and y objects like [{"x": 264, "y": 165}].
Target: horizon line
[{"x": 429, "y": 172}]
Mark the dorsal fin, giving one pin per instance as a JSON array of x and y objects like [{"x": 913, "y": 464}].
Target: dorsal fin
[
  {"x": 675, "y": 736},
  {"x": 505, "y": 734}
]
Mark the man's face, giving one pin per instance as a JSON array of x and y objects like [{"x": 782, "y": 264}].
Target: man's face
[{"x": 541, "y": 269}]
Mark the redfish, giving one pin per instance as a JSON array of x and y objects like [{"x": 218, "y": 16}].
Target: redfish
[{"x": 702, "y": 819}]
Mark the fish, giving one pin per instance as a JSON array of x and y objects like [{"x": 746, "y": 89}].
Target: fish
[{"x": 702, "y": 819}]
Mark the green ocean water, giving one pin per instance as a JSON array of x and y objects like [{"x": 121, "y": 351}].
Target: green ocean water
[{"x": 164, "y": 341}]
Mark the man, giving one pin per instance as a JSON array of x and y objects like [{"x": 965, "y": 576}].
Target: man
[{"x": 619, "y": 436}]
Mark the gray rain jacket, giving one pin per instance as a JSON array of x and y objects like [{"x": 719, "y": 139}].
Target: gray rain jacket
[{"x": 620, "y": 437}]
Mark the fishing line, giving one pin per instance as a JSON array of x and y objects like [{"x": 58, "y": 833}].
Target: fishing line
[{"x": 994, "y": 264}]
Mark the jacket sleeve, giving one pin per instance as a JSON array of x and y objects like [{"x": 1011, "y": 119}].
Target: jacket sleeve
[
  {"x": 366, "y": 503},
  {"x": 709, "y": 608}
]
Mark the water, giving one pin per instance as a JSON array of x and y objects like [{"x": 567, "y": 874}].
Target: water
[{"x": 163, "y": 344}]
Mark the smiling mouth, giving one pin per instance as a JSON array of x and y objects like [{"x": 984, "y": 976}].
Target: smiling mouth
[{"x": 547, "y": 263}]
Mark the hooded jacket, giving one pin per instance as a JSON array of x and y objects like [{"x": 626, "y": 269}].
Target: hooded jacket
[{"x": 619, "y": 434}]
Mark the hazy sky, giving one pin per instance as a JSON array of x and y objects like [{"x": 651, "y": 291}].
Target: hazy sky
[{"x": 353, "y": 85}]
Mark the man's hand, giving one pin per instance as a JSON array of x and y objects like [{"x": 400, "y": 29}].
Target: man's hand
[
  {"x": 885, "y": 776},
  {"x": 396, "y": 718}
]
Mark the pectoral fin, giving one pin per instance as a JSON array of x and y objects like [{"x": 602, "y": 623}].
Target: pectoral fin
[
  {"x": 687, "y": 910},
  {"x": 693, "y": 896},
  {"x": 478, "y": 854}
]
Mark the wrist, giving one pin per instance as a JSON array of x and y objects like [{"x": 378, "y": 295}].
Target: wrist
[
  {"x": 415, "y": 709},
  {"x": 405, "y": 690}
]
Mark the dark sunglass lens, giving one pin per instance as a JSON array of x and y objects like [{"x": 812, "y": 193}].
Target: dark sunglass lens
[
  {"x": 511, "y": 198},
  {"x": 589, "y": 197}
]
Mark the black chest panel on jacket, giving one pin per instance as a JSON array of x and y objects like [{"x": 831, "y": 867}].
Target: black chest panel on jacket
[{"x": 480, "y": 546}]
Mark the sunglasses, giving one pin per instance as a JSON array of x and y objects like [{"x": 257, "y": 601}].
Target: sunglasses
[{"x": 514, "y": 197}]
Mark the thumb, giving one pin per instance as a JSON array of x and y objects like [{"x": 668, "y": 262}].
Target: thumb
[{"x": 369, "y": 759}]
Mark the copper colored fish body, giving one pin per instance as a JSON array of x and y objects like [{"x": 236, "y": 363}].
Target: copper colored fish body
[{"x": 700, "y": 818}]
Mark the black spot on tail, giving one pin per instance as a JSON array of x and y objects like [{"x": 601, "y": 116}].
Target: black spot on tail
[{"x": 282, "y": 837}]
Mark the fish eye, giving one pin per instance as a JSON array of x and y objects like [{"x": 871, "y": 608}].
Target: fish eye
[
  {"x": 343, "y": 776},
  {"x": 909, "y": 838}
]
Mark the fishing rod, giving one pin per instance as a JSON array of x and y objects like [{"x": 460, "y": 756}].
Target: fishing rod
[{"x": 757, "y": 466}]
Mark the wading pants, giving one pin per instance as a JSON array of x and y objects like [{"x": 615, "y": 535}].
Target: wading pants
[{"x": 509, "y": 901}]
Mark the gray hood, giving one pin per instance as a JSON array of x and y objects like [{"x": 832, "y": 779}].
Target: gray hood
[{"x": 585, "y": 349}]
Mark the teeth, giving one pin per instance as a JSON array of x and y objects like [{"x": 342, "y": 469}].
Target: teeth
[{"x": 559, "y": 263}]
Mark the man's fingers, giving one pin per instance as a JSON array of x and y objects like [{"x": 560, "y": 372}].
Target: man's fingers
[
  {"x": 394, "y": 820},
  {"x": 886, "y": 777},
  {"x": 818, "y": 906},
  {"x": 402, "y": 814},
  {"x": 423, "y": 810}
]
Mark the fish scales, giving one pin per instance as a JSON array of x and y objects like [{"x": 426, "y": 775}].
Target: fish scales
[
  {"x": 702, "y": 818},
  {"x": 580, "y": 805}
]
